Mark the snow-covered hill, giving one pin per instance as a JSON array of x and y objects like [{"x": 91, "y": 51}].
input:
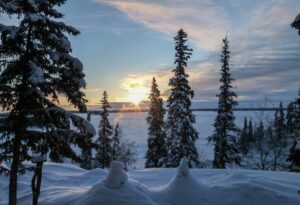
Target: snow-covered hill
[{"x": 66, "y": 184}]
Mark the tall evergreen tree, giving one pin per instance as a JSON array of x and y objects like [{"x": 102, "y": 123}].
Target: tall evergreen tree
[
  {"x": 224, "y": 136},
  {"x": 36, "y": 67},
  {"x": 296, "y": 25},
  {"x": 156, "y": 152},
  {"x": 181, "y": 135},
  {"x": 116, "y": 144},
  {"x": 294, "y": 156},
  {"x": 103, "y": 147}
]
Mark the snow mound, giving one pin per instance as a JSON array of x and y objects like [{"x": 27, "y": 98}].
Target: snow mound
[
  {"x": 117, "y": 176},
  {"x": 131, "y": 193},
  {"x": 183, "y": 188}
]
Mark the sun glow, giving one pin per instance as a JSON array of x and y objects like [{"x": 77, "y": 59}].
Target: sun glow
[{"x": 138, "y": 94}]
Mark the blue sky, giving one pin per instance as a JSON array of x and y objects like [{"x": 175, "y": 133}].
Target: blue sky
[{"x": 124, "y": 43}]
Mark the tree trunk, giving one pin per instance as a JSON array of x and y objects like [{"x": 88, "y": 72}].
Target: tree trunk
[
  {"x": 14, "y": 171},
  {"x": 36, "y": 183}
]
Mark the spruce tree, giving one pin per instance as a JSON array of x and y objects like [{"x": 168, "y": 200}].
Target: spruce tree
[
  {"x": 296, "y": 25},
  {"x": 86, "y": 152},
  {"x": 88, "y": 116},
  {"x": 116, "y": 144},
  {"x": 103, "y": 147},
  {"x": 250, "y": 131},
  {"x": 261, "y": 144},
  {"x": 294, "y": 156},
  {"x": 278, "y": 140},
  {"x": 36, "y": 67},
  {"x": 181, "y": 135},
  {"x": 244, "y": 138},
  {"x": 224, "y": 136},
  {"x": 156, "y": 152}
]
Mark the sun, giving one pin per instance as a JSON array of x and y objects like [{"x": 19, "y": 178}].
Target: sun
[
  {"x": 136, "y": 99},
  {"x": 138, "y": 94}
]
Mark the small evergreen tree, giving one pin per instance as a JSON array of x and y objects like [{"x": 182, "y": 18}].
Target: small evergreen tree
[
  {"x": 243, "y": 141},
  {"x": 128, "y": 153},
  {"x": 103, "y": 147},
  {"x": 278, "y": 140},
  {"x": 181, "y": 135},
  {"x": 262, "y": 146},
  {"x": 250, "y": 131},
  {"x": 116, "y": 144},
  {"x": 156, "y": 152},
  {"x": 88, "y": 116},
  {"x": 86, "y": 152},
  {"x": 224, "y": 137},
  {"x": 36, "y": 67},
  {"x": 123, "y": 150}
]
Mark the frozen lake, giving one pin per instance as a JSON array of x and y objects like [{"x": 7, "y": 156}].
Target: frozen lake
[{"x": 134, "y": 127}]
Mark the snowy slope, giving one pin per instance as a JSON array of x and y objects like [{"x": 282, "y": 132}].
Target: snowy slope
[{"x": 67, "y": 184}]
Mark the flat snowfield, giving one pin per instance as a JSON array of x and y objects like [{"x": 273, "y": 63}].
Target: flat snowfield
[{"x": 65, "y": 184}]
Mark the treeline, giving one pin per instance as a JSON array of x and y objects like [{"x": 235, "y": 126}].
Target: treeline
[{"x": 264, "y": 144}]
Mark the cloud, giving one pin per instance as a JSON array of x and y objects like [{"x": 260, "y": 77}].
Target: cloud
[
  {"x": 205, "y": 21},
  {"x": 264, "y": 49}
]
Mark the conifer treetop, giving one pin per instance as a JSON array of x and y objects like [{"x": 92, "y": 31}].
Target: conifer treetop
[{"x": 39, "y": 50}]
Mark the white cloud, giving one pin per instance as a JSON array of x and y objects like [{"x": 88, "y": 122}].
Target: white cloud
[
  {"x": 265, "y": 50},
  {"x": 204, "y": 21}
]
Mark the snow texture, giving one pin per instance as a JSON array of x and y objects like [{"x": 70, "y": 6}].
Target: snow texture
[
  {"x": 66, "y": 184},
  {"x": 183, "y": 168},
  {"x": 36, "y": 75},
  {"x": 39, "y": 158},
  {"x": 117, "y": 176}
]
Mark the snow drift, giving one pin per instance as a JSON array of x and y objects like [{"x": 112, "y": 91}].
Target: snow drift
[{"x": 66, "y": 184}]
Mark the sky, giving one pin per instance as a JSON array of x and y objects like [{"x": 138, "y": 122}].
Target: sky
[{"x": 124, "y": 43}]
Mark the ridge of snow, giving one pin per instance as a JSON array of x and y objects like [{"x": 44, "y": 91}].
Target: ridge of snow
[{"x": 67, "y": 184}]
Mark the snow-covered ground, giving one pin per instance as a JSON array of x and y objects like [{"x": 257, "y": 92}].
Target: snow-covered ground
[
  {"x": 134, "y": 127},
  {"x": 67, "y": 184}
]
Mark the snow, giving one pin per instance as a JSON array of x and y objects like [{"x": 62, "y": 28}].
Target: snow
[
  {"x": 63, "y": 40},
  {"x": 10, "y": 5},
  {"x": 4, "y": 166},
  {"x": 134, "y": 127},
  {"x": 66, "y": 184},
  {"x": 116, "y": 177},
  {"x": 39, "y": 158},
  {"x": 36, "y": 75},
  {"x": 35, "y": 17},
  {"x": 183, "y": 168},
  {"x": 11, "y": 30}
]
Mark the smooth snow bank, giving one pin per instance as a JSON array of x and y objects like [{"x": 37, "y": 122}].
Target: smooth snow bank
[
  {"x": 130, "y": 193},
  {"x": 183, "y": 188},
  {"x": 65, "y": 184}
]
